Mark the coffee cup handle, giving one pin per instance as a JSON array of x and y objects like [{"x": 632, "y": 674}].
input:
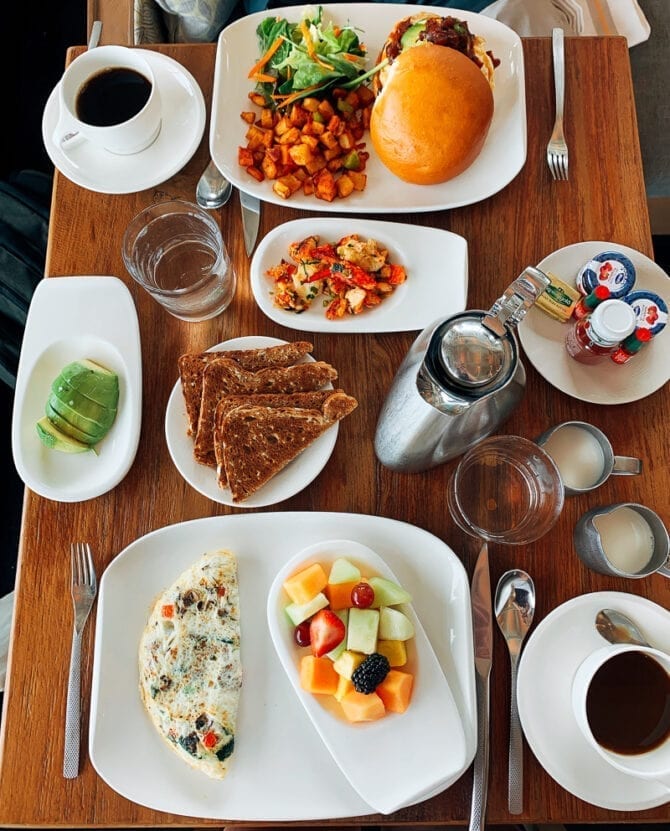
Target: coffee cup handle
[
  {"x": 626, "y": 466},
  {"x": 664, "y": 570},
  {"x": 66, "y": 136}
]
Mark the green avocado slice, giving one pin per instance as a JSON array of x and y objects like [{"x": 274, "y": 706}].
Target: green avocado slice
[
  {"x": 54, "y": 439},
  {"x": 69, "y": 429},
  {"x": 80, "y": 411},
  {"x": 411, "y": 34},
  {"x": 91, "y": 380}
]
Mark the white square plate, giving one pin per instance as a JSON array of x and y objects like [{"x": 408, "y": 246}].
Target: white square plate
[
  {"x": 501, "y": 158},
  {"x": 281, "y": 770},
  {"x": 436, "y": 262}
]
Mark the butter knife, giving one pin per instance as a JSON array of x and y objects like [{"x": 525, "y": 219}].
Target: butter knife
[
  {"x": 251, "y": 215},
  {"x": 482, "y": 621}
]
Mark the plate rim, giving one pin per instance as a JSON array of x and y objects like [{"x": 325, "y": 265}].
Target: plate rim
[
  {"x": 266, "y": 194},
  {"x": 371, "y": 321}
]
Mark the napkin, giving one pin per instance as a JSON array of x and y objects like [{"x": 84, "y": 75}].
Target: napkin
[{"x": 575, "y": 17}]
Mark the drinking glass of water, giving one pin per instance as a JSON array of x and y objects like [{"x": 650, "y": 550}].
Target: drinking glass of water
[{"x": 176, "y": 252}]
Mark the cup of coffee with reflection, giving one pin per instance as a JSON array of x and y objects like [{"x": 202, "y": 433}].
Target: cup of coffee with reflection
[
  {"x": 108, "y": 96},
  {"x": 621, "y": 701}
]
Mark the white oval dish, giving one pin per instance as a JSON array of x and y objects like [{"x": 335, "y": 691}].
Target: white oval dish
[
  {"x": 72, "y": 318},
  {"x": 492, "y": 170},
  {"x": 543, "y": 338},
  {"x": 292, "y": 479},
  {"x": 437, "y": 274},
  {"x": 369, "y": 755}
]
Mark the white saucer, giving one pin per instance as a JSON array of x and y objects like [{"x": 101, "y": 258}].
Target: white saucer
[
  {"x": 289, "y": 481},
  {"x": 182, "y": 128},
  {"x": 543, "y": 338},
  {"x": 548, "y": 664}
]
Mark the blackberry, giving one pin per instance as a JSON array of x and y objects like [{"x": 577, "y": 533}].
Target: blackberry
[{"x": 369, "y": 675}]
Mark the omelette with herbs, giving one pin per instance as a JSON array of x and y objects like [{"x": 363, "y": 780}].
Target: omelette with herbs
[{"x": 189, "y": 660}]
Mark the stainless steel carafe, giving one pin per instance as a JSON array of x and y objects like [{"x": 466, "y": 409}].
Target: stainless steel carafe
[{"x": 460, "y": 380}]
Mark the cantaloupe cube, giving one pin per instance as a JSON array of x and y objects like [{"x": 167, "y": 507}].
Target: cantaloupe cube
[
  {"x": 344, "y": 686},
  {"x": 360, "y": 707},
  {"x": 395, "y": 651},
  {"x": 304, "y": 585},
  {"x": 318, "y": 676},
  {"x": 339, "y": 595},
  {"x": 396, "y": 690}
]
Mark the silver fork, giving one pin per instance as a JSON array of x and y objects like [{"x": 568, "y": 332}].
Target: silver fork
[
  {"x": 557, "y": 149},
  {"x": 84, "y": 587}
]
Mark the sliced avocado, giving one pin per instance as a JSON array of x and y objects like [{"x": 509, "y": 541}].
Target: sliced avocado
[
  {"x": 82, "y": 412},
  {"x": 92, "y": 380},
  {"x": 54, "y": 439},
  {"x": 411, "y": 34},
  {"x": 69, "y": 429}
]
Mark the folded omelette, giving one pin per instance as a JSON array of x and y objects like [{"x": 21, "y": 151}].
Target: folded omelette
[{"x": 189, "y": 659}]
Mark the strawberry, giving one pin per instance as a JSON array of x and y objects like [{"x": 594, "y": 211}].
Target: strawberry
[{"x": 326, "y": 631}]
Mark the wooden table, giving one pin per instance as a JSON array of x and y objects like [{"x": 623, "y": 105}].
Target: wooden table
[{"x": 532, "y": 216}]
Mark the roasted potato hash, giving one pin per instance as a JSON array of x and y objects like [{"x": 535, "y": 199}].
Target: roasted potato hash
[{"x": 314, "y": 145}]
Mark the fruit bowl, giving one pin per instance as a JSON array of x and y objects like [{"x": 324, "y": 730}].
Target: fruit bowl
[{"x": 368, "y": 752}]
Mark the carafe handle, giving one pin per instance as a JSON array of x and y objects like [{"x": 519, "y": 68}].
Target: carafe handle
[{"x": 511, "y": 307}]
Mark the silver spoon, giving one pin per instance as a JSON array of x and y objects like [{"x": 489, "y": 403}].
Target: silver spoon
[
  {"x": 213, "y": 189},
  {"x": 93, "y": 41},
  {"x": 615, "y": 627},
  {"x": 514, "y": 608}
]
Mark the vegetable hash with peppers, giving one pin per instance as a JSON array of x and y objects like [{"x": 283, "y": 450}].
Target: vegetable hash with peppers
[{"x": 352, "y": 275}]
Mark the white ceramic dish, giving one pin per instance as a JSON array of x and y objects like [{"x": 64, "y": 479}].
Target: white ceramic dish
[
  {"x": 543, "y": 338},
  {"x": 431, "y": 722},
  {"x": 281, "y": 770},
  {"x": 549, "y": 661},
  {"x": 291, "y": 480},
  {"x": 183, "y": 125},
  {"x": 72, "y": 318},
  {"x": 437, "y": 274},
  {"x": 238, "y": 48}
]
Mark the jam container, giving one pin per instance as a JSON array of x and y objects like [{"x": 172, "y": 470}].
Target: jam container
[
  {"x": 651, "y": 311},
  {"x": 610, "y": 269}
]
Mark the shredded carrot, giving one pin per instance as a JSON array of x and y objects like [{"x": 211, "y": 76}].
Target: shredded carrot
[
  {"x": 311, "y": 51},
  {"x": 285, "y": 100},
  {"x": 264, "y": 79},
  {"x": 256, "y": 68}
]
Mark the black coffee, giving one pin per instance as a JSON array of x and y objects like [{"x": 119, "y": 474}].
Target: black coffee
[
  {"x": 628, "y": 704},
  {"x": 112, "y": 96}
]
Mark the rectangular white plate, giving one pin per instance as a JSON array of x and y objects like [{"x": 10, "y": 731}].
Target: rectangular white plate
[
  {"x": 281, "y": 769},
  {"x": 436, "y": 262},
  {"x": 501, "y": 158}
]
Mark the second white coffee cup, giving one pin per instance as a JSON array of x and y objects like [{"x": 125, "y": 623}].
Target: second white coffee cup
[{"x": 108, "y": 96}]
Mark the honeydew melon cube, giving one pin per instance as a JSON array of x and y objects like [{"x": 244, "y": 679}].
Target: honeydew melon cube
[
  {"x": 347, "y": 663},
  {"x": 334, "y": 654},
  {"x": 388, "y": 593},
  {"x": 362, "y": 632},
  {"x": 394, "y": 625},
  {"x": 298, "y": 612},
  {"x": 344, "y": 571}
]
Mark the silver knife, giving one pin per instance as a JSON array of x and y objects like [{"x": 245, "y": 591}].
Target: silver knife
[
  {"x": 251, "y": 215},
  {"x": 482, "y": 621}
]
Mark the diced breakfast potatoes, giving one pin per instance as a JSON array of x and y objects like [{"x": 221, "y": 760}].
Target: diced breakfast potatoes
[
  {"x": 314, "y": 145},
  {"x": 352, "y": 275},
  {"x": 356, "y": 637}
]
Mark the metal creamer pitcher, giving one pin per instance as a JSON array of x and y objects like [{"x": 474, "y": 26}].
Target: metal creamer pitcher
[{"x": 460, "y": 380}]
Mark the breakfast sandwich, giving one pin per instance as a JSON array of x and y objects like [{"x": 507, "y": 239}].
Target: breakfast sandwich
[{"x": 189, "y": 663}]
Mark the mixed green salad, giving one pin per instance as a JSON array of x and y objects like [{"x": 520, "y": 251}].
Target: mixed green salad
[{"x": 307, "y": 58}]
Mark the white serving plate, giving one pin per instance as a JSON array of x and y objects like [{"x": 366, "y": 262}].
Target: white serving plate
[
  {"x": 501, "y": 158},
  {"x": 291, "y": 480},
  {"x": 431, "y": 722},
  {"x": 72, "y": 318},
  {"x": 182, "y": 127},
  {"x": 561, "y": 641},
  {"x": 543, "y": 338},
  {"x": 281, "y": 770},
  {"x": 437, "y": 274}
]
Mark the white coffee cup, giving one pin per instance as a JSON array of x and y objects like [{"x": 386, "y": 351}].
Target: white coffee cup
[
  {"x": 132, "y": 129},
  {"x": 590, "y": 698}
]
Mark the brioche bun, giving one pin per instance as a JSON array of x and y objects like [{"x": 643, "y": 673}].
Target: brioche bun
[{"x": 431, "y": 118}]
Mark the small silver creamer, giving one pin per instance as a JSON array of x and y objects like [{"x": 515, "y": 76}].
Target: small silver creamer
[{"x": 460, "y": 380}]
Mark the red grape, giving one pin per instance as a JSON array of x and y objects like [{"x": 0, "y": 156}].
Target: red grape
[
  {"x": 301, "y": 634},
  {"x": 362, "y": 595}
]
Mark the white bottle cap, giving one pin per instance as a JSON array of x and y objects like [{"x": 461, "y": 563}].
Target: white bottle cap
[{"x": 612, "y": 321}]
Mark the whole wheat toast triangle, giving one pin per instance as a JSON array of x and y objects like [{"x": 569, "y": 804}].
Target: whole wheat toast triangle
[
  {"x": 192, "y": 366},
  {"x": 225, "y": 377},
  {"x": 260, "y": 441}
]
